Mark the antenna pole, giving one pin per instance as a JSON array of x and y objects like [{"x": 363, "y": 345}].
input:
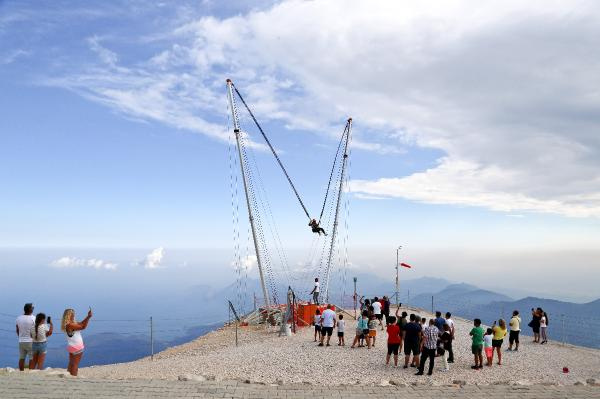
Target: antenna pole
[
  {"x": 237, "y": 131},
  {"x": 337, "y": 208}
]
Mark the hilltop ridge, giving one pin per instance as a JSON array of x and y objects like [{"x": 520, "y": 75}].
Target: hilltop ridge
[{"x": 267, "y": 358}]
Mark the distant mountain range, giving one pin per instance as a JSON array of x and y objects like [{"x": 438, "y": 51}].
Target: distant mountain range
[{"x": 573, "y": 323}]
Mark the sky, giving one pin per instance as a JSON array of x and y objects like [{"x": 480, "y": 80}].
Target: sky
[{"x": 474, "y": 144}]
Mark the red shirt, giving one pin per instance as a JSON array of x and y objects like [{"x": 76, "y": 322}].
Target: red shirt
[{"x": 393, "y": 334}]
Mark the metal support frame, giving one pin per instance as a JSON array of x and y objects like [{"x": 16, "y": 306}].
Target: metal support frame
[
  {"x": 337, "y": 208},
  {"x": 237, "y": 131}
]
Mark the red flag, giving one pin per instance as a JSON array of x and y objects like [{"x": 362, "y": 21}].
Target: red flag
[{"x": 405, "y": 265}]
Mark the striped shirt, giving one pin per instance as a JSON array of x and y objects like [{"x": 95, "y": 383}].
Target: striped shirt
[{"x": 431, "y": 334}]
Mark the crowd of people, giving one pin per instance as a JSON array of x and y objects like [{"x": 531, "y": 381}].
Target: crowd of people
[
  {"x": 421, "y": 340},
  {"x": 33, "y": 332}
]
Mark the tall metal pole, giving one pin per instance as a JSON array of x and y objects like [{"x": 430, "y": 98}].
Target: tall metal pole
[
  {"x": 397, "y": 280},
  {"x": 337, "y": 208},
  {"x": 151, "y": 339},
  {"x": 355, "y": 318},
  {"x": 237, "y": 131}
]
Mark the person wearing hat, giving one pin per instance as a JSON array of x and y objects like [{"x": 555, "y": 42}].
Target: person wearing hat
[{"x": 24, "y": 324}]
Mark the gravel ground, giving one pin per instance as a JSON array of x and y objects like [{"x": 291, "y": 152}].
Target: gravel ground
[{"x": 265, "y": 357}]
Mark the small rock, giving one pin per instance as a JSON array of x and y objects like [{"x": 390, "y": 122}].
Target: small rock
[
  {"x": 9, "y": 370},
  {"x": 279, "y": 381},
  {"x": 191, "y": 377},
  {"x": 384, "y": 383},
  {"x": 549, "y": 383},
  {"x": 459, "y": 382},
  {"x": 398, "y": 383},
  {"x": 522, "y": 383},
  {"x": 579, "y": 382},
  {"x": 592, "y": 381}
]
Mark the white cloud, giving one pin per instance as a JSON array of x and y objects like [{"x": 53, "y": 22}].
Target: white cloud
[
  {"x": 12, "y": 56},
  {"x": 248, "y": 263},
  {"x": 105, "y": 55},
  {"x": 506, "y": 90},
  {"x": 74, "y": 262},
  {"x": 154, "y": 259}
]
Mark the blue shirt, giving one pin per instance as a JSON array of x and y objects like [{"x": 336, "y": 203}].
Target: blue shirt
[
  {"x": 363, "y": 324},
  {"x": 439, "y": 323}
]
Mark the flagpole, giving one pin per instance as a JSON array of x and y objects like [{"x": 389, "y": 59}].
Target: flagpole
[{"x": 397, "y": 281}]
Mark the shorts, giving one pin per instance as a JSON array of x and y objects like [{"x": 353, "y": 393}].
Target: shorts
[
  {"x": 476, "y": 349},
  {"x": 497, "y": 343},
  {"x": 25, "y": 349},
  {"x": 411, "y": 347},
  {"x": 379, "y": 316},
  {"x": 489, "y": 351},
  {"x": 372, "y": 333},
  {"x": 40, "y": 348},
  {"x": 393, "y": 348},
  {"x": 365, "y": 332},
  {"x": 340, "y": 334},
  {"x": 327, "y": 330},
  {"x": 513, "y": 336},
  {"x": 318, "y": 328}
]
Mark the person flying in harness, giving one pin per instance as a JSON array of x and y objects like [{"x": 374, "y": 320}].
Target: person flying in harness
[{"x": 315, "y": 227}]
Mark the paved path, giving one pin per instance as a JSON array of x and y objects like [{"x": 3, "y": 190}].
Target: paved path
[{"x": 38, "y": 386}]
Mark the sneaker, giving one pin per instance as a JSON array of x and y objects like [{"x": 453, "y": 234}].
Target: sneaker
[
  {"x": 517, "y": 349},
  {"x": 405, "y": 367},
  {"x": 430, "y": 373},
  {"x": 320, "y": 344},
  {"x": 327, "y": 345},
  {"x": 508, "y": 350},
  {"x": 475, "y": 367},
  {"x": 450, "y": 361},
  {"x": 419, "y": 373}
]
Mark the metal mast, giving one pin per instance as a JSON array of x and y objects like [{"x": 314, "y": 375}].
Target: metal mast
[
  {"x": 337, "y": 208},
  {"x": 237, "y": 131}
]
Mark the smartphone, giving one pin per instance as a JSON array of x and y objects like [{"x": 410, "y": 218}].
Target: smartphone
[{"x": 49, "y": 320}]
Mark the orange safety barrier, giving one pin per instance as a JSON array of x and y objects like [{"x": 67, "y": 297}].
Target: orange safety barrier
[{"x": 305, "y": 313}]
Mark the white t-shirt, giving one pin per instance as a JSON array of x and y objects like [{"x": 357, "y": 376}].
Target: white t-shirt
[
  {"x": 543, "y": 321},
  {"x": 450, "y": 323},
  {"x": 25, "y": 323},
  {"x": 328, "y": 318},
  {"x": 487, "y": 340},
  {"x": 42, "y": 331},
  {"x": 316, "y": 286},
  {"x": 341, "y": 325},
  {"x": 376, "y": 307},
  {"x": 317, "y": 320}
]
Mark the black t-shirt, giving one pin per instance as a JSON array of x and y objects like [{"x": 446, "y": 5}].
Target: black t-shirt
[
  {"x": 446, "y": 340},
  {"x": 412, "y": 332}
]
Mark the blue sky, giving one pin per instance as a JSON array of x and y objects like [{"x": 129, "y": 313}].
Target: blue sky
[{"x": 474, "y": 144}]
